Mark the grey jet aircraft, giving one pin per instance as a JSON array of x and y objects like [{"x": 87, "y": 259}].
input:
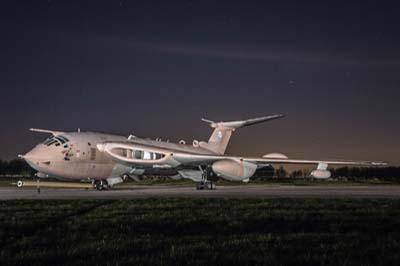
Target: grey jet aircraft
[{"x": 107, "y": 159}]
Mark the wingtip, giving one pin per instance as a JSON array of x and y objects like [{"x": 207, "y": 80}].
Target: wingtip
[
  {"x": 276, "y": 116},
  {"x": 379, "y": 163},
  {"x": 207, "y": 120}
]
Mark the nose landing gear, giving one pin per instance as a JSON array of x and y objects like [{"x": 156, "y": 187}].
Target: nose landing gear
[{"x": 100, "y": 184}]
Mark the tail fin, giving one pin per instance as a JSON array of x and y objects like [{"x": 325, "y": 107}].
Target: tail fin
[{"x": 223, "y": 131}]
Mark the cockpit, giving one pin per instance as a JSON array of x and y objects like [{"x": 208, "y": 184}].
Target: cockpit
[{"x": 57, "y": 141}]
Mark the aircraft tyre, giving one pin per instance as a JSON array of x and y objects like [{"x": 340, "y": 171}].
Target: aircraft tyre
[
  {"x": 213, "y": 186},
  {"x": 205, "y": 186},
  {"x": 100, "y": 185},
  {"x": 204, "y": 183}
]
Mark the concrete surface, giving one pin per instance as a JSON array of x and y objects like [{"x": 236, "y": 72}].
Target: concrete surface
[{"x": 248, "y": 191}]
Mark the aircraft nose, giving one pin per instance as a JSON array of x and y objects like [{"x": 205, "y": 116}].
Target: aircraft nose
[{"x": 37, "y": 156}]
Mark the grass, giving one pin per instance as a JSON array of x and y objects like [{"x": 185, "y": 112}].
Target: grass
[{"x": 201, "y": 232}]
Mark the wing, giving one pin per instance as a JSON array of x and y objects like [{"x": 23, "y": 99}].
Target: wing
[
  {"x": 122, "y": 152},
  {"x": 186, "y": 158},
  {"x": 264, "y": 162}
]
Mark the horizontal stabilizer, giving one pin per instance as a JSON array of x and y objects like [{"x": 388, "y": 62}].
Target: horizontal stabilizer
[
  {"x": 242, "y": 123},
  {"x": 219, "y": 139}
]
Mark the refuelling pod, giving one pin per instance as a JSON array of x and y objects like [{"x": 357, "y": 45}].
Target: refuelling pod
[
  {"x": 234, "y": 170},
  {"x": 321, "y": 172},
  {"x": 275, "y": 155}
]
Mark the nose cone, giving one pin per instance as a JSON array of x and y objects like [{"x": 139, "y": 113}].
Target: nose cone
[{"x": 37, "y": 157}]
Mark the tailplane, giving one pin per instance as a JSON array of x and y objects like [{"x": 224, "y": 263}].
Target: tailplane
[{"x": 223, "y": 131}]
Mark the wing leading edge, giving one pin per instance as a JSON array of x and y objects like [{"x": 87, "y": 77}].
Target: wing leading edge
[
  {"x": 176, "y": 157},
  {"x": 186, "y": 158},
  {"x": 263, "y": 161}
]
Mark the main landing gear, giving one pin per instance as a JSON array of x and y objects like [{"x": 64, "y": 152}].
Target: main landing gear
[
  {"x": 204, "y": 183},
  {"x": 100, "y": 184}
]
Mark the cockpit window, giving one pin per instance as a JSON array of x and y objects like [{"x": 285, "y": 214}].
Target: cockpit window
[
  {"x": 63, "y": 138},
  {"x": 48, "y": 140},
  {"x": 57, "y": 140},
  {"x": 51, "y": 142}
]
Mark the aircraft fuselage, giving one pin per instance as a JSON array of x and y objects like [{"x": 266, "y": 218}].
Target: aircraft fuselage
[
  {"x": 75, "y": 155},
  {"x": 76, "y": 158}
]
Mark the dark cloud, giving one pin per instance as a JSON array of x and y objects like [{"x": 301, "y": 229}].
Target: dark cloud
[{"x": 282, "y": 56}]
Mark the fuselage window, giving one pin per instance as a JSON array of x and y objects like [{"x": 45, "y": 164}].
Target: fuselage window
[
  {"x": 146, "y": 155},
  {"x": 138, "y": 154}
]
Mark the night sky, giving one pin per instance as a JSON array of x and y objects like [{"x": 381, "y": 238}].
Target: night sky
[{"x": 155, "y": 68}]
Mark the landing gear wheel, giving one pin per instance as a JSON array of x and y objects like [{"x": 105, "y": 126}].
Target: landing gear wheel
[
  {"x": 100, "y": 185},
  {"x": 205, "y": 185},
  {"x": 212, "y": 186}
]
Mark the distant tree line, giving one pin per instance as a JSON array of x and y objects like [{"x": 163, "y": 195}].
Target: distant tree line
[
  {"x": 19, "y": 167},
  {"x": 15, "y": 167},
  {"x": 268, "y": 172},
  {"x": 343, "y": 173},
  {"x": 357, "y": 173}
]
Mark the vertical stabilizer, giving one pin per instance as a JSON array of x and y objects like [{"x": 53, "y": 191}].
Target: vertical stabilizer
[{"x": 223, "y": 131}]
